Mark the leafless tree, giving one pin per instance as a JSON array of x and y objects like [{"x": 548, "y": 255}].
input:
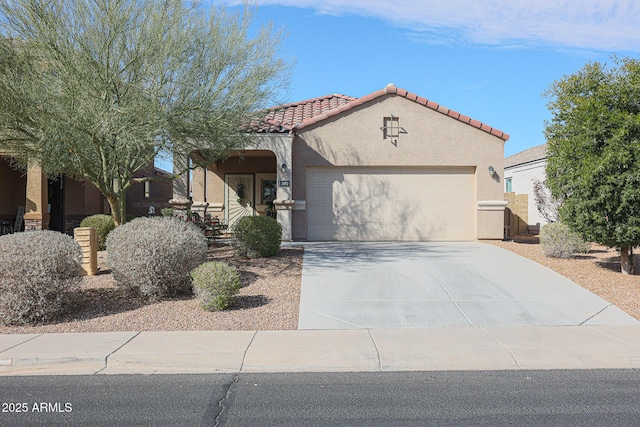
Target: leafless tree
[{"x": 548, "y": 206}]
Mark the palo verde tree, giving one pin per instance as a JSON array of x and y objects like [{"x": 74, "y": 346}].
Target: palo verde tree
[
  {"x": 96, "y": 89},
  {"x": 594, "y": 153}
]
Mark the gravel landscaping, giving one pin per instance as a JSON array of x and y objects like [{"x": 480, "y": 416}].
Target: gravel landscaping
[
  {"x": 268, "y": 300},
  {"x": 270, "y": 296}
]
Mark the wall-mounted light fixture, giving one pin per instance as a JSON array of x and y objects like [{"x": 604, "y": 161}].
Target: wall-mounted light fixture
[
  {"x": 284, "y": 168},
  {"x": 492, "y": 171},
  {"x": 391, "y": 128}
]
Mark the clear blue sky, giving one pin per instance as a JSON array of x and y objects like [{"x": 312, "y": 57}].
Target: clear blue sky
[{"x": 487, "y": 59}]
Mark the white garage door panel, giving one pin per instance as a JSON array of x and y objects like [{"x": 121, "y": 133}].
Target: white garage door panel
[{"x": 390, "y": 204}]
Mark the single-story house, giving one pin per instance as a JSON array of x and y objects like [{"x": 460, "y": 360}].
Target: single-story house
[
  {"x": 390, "y": 166},
  {"x": 521, "y": 170},
  {"x": 60, "y": 204}
]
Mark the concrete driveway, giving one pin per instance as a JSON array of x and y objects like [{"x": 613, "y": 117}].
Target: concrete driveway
[{"x": 416, "y": 285}]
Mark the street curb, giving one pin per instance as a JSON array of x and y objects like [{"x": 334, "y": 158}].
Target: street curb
[{"x": 361, "y": 350}]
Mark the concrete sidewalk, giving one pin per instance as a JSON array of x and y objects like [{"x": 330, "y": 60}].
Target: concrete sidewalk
[{"x": 459, "y": 348}]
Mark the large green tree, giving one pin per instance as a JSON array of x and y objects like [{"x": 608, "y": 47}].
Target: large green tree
[
  {"x": 96, "y": 89},
  {"x": 594, "y": 153}
]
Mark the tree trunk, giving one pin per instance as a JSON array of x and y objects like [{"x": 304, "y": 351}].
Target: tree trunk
[
  {"x": 118, "y": 209},
  {"x": 626, "y": 260},
  {"x": 122, "y": 204}
]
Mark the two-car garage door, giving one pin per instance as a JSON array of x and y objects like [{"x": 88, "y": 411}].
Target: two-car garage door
[{"x": 380, "y": 203}]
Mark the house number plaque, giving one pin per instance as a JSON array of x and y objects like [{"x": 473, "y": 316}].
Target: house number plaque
[{"x": 284, "y": 183}]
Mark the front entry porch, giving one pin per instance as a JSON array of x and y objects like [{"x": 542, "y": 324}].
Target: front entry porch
[{"x": 252, "y": 181}]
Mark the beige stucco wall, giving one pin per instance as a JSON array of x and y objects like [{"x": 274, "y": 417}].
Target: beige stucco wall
[{"x": 431, "y": 139}]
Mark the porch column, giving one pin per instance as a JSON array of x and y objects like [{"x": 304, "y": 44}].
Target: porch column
[
  {"x": 281, "y": 146},
  {"x": 180, "y": 201},
  {"x": 198, "y": 191},
  {"x": 284, "y": 204},
  {"x": 180, "y": 184},
  {"x": 36, "y": 215}
]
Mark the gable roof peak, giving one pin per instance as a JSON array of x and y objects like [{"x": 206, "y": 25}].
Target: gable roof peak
[
  {"x": 392, "y": 89},
  {"x": 290, "y": 118}
]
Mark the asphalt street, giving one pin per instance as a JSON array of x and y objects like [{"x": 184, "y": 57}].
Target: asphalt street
[{"x": 483, "y": 398}]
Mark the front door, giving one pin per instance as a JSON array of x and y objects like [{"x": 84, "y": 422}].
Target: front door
[{"x": 239, "y": 198}]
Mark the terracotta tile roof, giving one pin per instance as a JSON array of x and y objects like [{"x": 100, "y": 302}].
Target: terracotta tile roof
[
  {"x": 529, "y": 155},
  {"x": 293, "y": 117},
  {"x": 285, "y": 118}
]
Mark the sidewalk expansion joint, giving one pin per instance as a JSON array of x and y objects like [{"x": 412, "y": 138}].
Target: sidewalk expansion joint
[
  {"x": 513, "y": 356},
  {"x": 244, "y": 355},
  {"x": 376, "y": 347},
  {"x": 19, "y": 344},
  {"x": 106, "y": 359}
]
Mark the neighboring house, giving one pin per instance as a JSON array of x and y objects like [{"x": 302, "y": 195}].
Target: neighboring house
[
  {"x": 520, "y": 172},
  {"x": 389, "y": 166},
  {"x": 49, "y": 204},
  {"x": 60, "y": 204},
  {"x": 141, "y": 197}
]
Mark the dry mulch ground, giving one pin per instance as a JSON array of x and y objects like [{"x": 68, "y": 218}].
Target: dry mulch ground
[
  {"x": 268, "y": 300},
  {"x": 597, "y": 271}
]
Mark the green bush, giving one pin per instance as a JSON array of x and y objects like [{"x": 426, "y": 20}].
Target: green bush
[
  {"x": 216, "y": 285},
  {"x": 38, "y": 272},
  {"x": 257, "y": 236},
  {"x": 558, "y": 241},
  {"x": 103, "y": 225},
  {"x": 166, "y": 212},
  {"x": 155, "y": 255}
]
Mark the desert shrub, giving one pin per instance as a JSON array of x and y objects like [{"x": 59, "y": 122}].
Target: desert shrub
[
  {"x": 257, "y": 236},
  {"x": 38, "y": 272},
  {"x": 216, "y": 285},
  {"x": 155, "y": 255},
  {"x": 166, "y": 212},
  {"x": 558, "y": 241},
  {"x": 103, "y": 225}
]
